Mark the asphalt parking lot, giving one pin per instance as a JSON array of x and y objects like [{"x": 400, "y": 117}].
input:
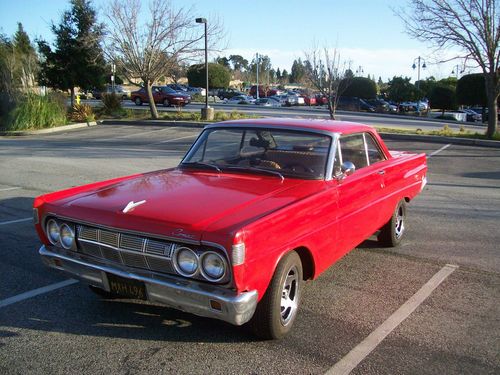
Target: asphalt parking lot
[{"x": 455, "y": 330}]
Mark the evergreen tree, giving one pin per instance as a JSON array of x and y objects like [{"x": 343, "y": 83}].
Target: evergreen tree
[{"x": 77, "y": 59}]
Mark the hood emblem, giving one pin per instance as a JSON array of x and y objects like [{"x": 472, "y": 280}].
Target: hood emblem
[{"x": 131, "y": 205}]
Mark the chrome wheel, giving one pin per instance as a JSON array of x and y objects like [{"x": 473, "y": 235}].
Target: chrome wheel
[
  {"x": 290, "y": 296},
  {"x": 399, "y": 228}
]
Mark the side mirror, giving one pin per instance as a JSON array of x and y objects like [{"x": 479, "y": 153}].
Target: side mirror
[{"x": 347, "y": 168}]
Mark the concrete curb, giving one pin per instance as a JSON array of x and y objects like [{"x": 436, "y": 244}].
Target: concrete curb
[
  {"x": 187, "y": 124},
  {"x": 49, "y": 130}
]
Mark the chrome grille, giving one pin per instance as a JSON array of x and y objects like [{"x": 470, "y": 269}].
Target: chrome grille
[{"x": 126, "y": 249}]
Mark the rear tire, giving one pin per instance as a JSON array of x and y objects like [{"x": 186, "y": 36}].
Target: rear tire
[
  {"x": 392, "y": 233},
  {"x": 277, "y": 310}
]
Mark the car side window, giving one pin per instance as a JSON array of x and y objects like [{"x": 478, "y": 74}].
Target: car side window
[
  {"x": 374, "y": 153},
  {"x": 353, "y": 149}
]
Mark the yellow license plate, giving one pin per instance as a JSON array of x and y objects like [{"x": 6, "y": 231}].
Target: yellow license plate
[{"x": 126, "y": 287}]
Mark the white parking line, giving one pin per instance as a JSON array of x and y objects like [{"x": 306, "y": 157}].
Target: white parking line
[
  {"x": 16, "y": 221},
  {"x": 361, "y": 351},
  {"x": 438, "y": 151},
  {"x": 138, "y": 134},
  {"x": 36, "y": 292},
  {"x": 173, "y": 139},
  {"x": 11, "y": 188}
]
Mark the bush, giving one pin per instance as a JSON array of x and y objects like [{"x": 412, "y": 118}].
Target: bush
[
  {"x": 82, "y": 113},
  {"x": 112, "y": 104},
  {"x": 37, "y": 112},
  {"x": 218, "y": 76}
]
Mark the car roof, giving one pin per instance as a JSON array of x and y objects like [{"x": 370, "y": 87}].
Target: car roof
[{"x": 333, "y": 126}]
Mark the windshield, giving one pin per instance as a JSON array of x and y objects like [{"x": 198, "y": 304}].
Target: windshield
[{"x": 261, "y": 150}]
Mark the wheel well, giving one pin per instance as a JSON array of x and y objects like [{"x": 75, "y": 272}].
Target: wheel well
[{"x": 307, "y": 262}]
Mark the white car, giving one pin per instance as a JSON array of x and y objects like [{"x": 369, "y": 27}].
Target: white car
[{"x": 241, "y": 99}]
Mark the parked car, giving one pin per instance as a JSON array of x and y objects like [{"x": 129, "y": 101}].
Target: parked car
[
  {"x": 268, "y": 102},
  {"x": 117, "y": 90},
  {"x": 196, "y": 90},
  {"x": 161, "y": 95},
  {"x": 241, "y": 99},
  {"x": 293, "y": 99},
  {"x": 254, "y": 209},
  {"x": 263, "y": 91},
  {"x": 280, "y": 98},
  {"x": 228, "y": 93},
  {"x": 471, "y": 116},
  {"x": 349, "y": 103},
  {"x": 178, "y": 87},
  {"x": 309, "y": 100}
]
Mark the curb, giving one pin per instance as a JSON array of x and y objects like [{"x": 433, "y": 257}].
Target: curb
[
  {"x": 187, "y": 124},
  {"x": 49, "y": 130},
  {"x": 441, "y": 139}
]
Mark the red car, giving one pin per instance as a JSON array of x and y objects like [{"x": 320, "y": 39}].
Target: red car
[
  {"x": 309, "y": 100},
  {"x": 161, "y": 95},
  {"x": 254, "y": 209}
]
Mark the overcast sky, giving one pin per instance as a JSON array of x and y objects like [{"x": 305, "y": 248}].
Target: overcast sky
[{"x": 366, "y": 32}]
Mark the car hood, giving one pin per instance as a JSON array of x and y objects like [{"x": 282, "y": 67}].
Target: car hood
[{"x": 184, "y": 203}]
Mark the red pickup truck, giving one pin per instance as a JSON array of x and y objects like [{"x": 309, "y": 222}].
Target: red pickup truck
[{"x": 254, "y": 209}]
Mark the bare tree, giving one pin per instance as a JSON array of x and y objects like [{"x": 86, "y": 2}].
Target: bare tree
[
  {"x": 327, "y": 73},
  {"x": 151, "y": 50},
  {"x": 471, "y": 25}
]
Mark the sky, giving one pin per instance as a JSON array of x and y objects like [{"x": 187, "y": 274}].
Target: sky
[{"x": 367, "y": 33}]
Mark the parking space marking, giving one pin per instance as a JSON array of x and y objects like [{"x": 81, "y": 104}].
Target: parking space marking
[
  {"x": 36, "y": 292},
  {"x": 11, "y": 188},
  {"x": 16, "y": 221},
  {"x": 173, "y": 139},
  {"x": 138, "y": 134},
  {"x": 363, "y": 349},
  {"x": 438, "y": 151}
]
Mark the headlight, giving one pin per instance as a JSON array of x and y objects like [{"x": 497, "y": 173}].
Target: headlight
[
  {"x": 53, "y": 231},
  {"x": 67, "y": 236},
  {"x": 186, "y": 261},
  {"x": 213, "y": 266}
]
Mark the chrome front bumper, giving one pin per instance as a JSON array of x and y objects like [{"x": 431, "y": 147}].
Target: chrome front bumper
[{"x": 185, "y": 295}]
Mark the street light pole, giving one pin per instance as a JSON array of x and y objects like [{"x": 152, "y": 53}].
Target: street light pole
[
  {"x": 419, "y": 60},
  {"x": 257, "y": 86},
  {"x": 207, "y": 112}
]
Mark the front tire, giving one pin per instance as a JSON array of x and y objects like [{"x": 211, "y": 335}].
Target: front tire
[
  {"x": 166, "y": 103},
  {"x": 277, "y": 310},
  {"x": 392, "y": 233},
  {"x": 138, "y": 101}
]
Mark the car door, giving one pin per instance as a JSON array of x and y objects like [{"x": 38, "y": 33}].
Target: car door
[{"x": 361, "y": 194}]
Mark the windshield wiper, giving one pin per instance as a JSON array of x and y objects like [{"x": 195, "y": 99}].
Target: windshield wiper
[
  {"x": 200, "y": 164},
  {"x": 256, "y": 169}
]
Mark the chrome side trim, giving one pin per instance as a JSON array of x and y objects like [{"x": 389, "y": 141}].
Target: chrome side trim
[{"x": 181, "y": 294}]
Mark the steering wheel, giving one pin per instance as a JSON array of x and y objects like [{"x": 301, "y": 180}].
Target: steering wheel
[{"x": 297, "y": 167}]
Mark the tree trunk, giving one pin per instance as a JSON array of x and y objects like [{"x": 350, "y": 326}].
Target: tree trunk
[
  {"x": 492, "y": 97},
  {"x": 331, "y": 108},
  {"x": 72, "y": 90},
  {"x": 152, "y": 104}
]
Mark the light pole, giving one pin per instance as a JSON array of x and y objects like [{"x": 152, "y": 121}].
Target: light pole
[
  {"x": 420, "y": 63},
  {"x": 360, "y": 71},
  {"x": 457, "y": 71},
  {"x": 257, "y": 86},
  {"x": 207, "y": 113}
]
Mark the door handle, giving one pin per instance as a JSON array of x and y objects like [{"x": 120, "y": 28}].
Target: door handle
[{"x": 382, "y": 172}]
